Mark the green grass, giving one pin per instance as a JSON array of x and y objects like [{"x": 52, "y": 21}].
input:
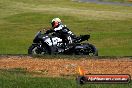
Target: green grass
[
  {"x": 109, "y": 26},
  {"x": 17, "y": 78},
  {"x": 124, "y": 1}
]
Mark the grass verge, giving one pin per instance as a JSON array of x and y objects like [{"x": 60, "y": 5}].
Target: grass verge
[
  {"x": 13, "y": 79},
  {"x": 109, "y": 26}
]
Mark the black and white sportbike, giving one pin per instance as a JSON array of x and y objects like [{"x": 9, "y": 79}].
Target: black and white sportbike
[{"x": 51, "y": 44}]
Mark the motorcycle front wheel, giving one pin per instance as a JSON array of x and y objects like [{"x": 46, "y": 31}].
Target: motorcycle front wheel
[{"x": 36, "y": 50}]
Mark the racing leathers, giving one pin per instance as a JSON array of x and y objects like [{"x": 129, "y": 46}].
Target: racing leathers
[{"x": 64, "y": 33}]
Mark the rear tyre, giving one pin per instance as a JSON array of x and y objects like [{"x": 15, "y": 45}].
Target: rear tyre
[
  {"x": 92, "y": 51},
  {"x": 88, "y": 49}
]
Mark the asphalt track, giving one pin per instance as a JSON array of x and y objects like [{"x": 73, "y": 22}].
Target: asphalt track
[{"x": 104, "y": 2}]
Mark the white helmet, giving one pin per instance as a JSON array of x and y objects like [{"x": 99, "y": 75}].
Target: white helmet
[
  {"x": 55, "y": 22},
  {"x": 56, "y": 19}
]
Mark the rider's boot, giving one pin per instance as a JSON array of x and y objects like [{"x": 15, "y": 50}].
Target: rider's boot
[{"x": 66, "y": 46}]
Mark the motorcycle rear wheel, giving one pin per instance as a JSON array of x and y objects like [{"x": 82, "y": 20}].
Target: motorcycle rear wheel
[{"x": 92, "y": 50}]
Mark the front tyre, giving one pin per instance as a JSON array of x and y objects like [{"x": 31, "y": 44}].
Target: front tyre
[{"x": 35, "y": 50}]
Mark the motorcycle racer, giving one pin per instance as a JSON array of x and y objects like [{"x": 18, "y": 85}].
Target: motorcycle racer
[
  {"x": 60, "y": 40},
  {"x": 61, "y": 31}
]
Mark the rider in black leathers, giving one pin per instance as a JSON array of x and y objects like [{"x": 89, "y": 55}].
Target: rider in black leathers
[{"x": 62, "y": 32}]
